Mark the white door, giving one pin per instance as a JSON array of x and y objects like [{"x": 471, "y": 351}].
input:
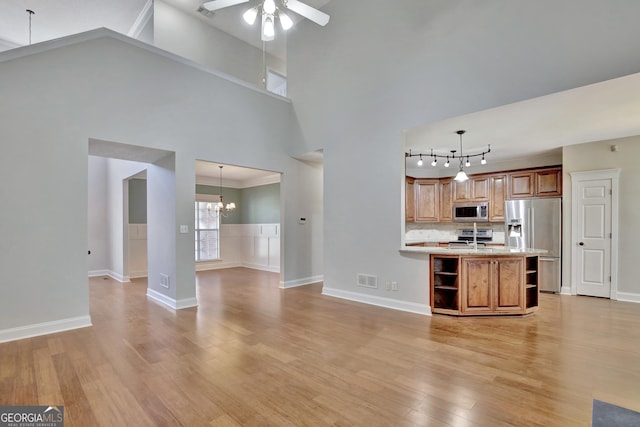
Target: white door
[{"x": 593, "y": 237}]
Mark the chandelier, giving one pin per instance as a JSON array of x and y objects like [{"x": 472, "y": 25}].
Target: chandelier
[
  {"x": 465, "y": 159},
  {"x": 219, "y": 207}
]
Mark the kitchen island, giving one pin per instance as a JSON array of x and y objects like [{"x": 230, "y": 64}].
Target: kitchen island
[{"x": 482, "y": 281}]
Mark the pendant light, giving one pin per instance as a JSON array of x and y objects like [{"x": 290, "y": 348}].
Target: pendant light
[
  {"x": 220, "y": 207},
  {"x": 464, "y": 159}
]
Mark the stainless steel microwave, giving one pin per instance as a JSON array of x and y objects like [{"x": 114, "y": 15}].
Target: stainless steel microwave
[{"x": 471, "y": 212}]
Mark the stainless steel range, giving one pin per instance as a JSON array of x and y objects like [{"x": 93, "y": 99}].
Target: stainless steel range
[{"x": 465, "y": 237}]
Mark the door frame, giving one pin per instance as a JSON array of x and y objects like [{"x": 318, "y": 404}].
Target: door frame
[{"x": 577, "y": 178}]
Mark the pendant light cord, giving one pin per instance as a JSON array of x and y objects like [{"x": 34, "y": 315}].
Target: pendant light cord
[{"x": 31, "y": 13}]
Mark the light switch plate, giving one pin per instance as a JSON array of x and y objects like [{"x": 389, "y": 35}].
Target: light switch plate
[{"x": 184, "y": 229}]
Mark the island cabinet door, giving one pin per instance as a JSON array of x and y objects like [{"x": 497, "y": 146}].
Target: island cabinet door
[
  {"x": 477, "y": 289},
  {"x": 492, "y": 285},
  {"x": 508, "y": 283}
]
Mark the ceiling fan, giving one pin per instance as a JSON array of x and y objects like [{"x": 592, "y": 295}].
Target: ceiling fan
[{"x": 269, "y": 11}]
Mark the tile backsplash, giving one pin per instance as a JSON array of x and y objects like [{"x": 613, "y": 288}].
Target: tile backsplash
[{"x": 446, "y": 232}]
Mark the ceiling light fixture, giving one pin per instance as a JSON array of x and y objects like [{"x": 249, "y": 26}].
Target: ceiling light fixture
[
  {"x": 250, "y": 15},
  {"x": 461, "y": 175},
  {"x": 220, "y": 207},
  {"x": 270, "y": 10}
]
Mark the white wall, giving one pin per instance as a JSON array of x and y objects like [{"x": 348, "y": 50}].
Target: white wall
[
  {"x": 595, "y": 156},
  {"x": 102, "y": 85},
  {"x": 191, "y": 38},
  {"x": 378, "y": 68},
  {"x": 117, "y": 195},
  {"x": 99, "y": 260}
]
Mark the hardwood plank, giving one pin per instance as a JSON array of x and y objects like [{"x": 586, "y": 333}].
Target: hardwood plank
[{"x": 254, "y": 354}]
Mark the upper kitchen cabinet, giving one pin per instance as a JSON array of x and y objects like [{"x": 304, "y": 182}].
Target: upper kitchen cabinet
[
  {"x": 409, "y": 200},
  {"x": 446, "y": 200},
  {"x": 497, "y": 197},
  {"x": 549, "y": 183},
  {"x": 479, "y": 188},
  {"x": 475, "y": 189},
  {"x": 427, "y": 200},
  {"x": 522, "y": 184},
  {"x": 535, "y": 183}
]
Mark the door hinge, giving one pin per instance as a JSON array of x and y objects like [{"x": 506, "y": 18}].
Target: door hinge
[
  {"x": 611, "y": 235},
  {"x": 609, "y": 278},
  {"x": 611, "y": 191}
]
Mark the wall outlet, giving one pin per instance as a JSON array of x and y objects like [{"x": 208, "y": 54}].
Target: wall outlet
[
  {"x": 394, "y": 286},
  {"x": 164, "y": 281}
]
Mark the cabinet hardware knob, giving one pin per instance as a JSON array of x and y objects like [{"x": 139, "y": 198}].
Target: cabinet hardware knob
[{"x": 581, "y": 243}]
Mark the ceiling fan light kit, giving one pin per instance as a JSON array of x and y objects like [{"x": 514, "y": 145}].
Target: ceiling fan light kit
[{"x": 270, "y": 10}]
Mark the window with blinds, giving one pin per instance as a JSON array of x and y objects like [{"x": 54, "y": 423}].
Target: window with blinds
[{"x": 207, "y": 231}]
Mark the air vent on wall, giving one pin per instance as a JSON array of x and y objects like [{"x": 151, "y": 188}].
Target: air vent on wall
[{"x": 368, "y": 281}]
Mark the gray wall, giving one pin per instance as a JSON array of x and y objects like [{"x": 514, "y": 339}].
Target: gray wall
[
  {"x": 58, "y": 95},
  {"x": 254, "y": 205},
  {"x": 595, "y": 156},
  {"x": 355, "y": 88},
  {"x": 260, "y": 205},
  {"x": 137, "y": 201},
  {"x": 191, "y": 38}
]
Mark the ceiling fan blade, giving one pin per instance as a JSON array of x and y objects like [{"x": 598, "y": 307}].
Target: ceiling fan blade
[
  {"x": 308, "y": 12},
  {"x": 219, "y": 4}
]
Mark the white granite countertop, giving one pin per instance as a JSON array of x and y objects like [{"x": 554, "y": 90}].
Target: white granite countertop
[{"x": 492, "y": 250}]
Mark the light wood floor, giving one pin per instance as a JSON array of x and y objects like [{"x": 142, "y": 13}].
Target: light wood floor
[{"x": 253, "y": 354}]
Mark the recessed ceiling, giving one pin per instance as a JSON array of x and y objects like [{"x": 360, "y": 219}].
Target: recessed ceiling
[
  {"x": 535, "y": 127},
  {"x": 233, "y": 176}
]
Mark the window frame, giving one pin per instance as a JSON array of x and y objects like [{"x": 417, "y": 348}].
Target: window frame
[{"x": 205, "y": 198}]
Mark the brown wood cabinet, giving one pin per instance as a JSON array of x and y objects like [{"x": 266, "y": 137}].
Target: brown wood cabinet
[
  {"x": 426, "y": 200},
  {"x": 480, "y": 188},
  {"x": 409, "y": 200},
  {"x": 492, "y": 284},
  {"x": 461, "y": 191},
  {"x": 470, "y": 285},
  {"x": 446, "y": 200},
  {"x": 521, "y": 184},
  {"x": 432, "y": 200},
  {"x": 549, "y": 183},
  {"x": 497, "y": 197},
  {"x": 535, "y": 183}
]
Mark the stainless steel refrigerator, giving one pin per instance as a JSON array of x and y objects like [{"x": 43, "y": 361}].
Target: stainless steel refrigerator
[{"x": 537, "y": 223}]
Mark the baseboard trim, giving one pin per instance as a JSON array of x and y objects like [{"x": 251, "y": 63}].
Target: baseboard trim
[
  {"x": 44, "y": 328},
  {"x": 565, "y": 290},
  {"x": 98, "y": 273},
  {"x": 138, "y": 274},
  {"x": 261, "y": 267},
  {"x": 395, "y": 304},
  {"x": 216, "y": 265},
  {"x": 628, "y": 297},
  {"x": 115, "y": 276},
  {"x": 170, "y": 302},
  {"x": 301, "y": 282}
]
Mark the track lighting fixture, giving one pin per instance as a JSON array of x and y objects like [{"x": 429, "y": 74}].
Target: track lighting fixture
[{"x": 465, "y": 159}]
